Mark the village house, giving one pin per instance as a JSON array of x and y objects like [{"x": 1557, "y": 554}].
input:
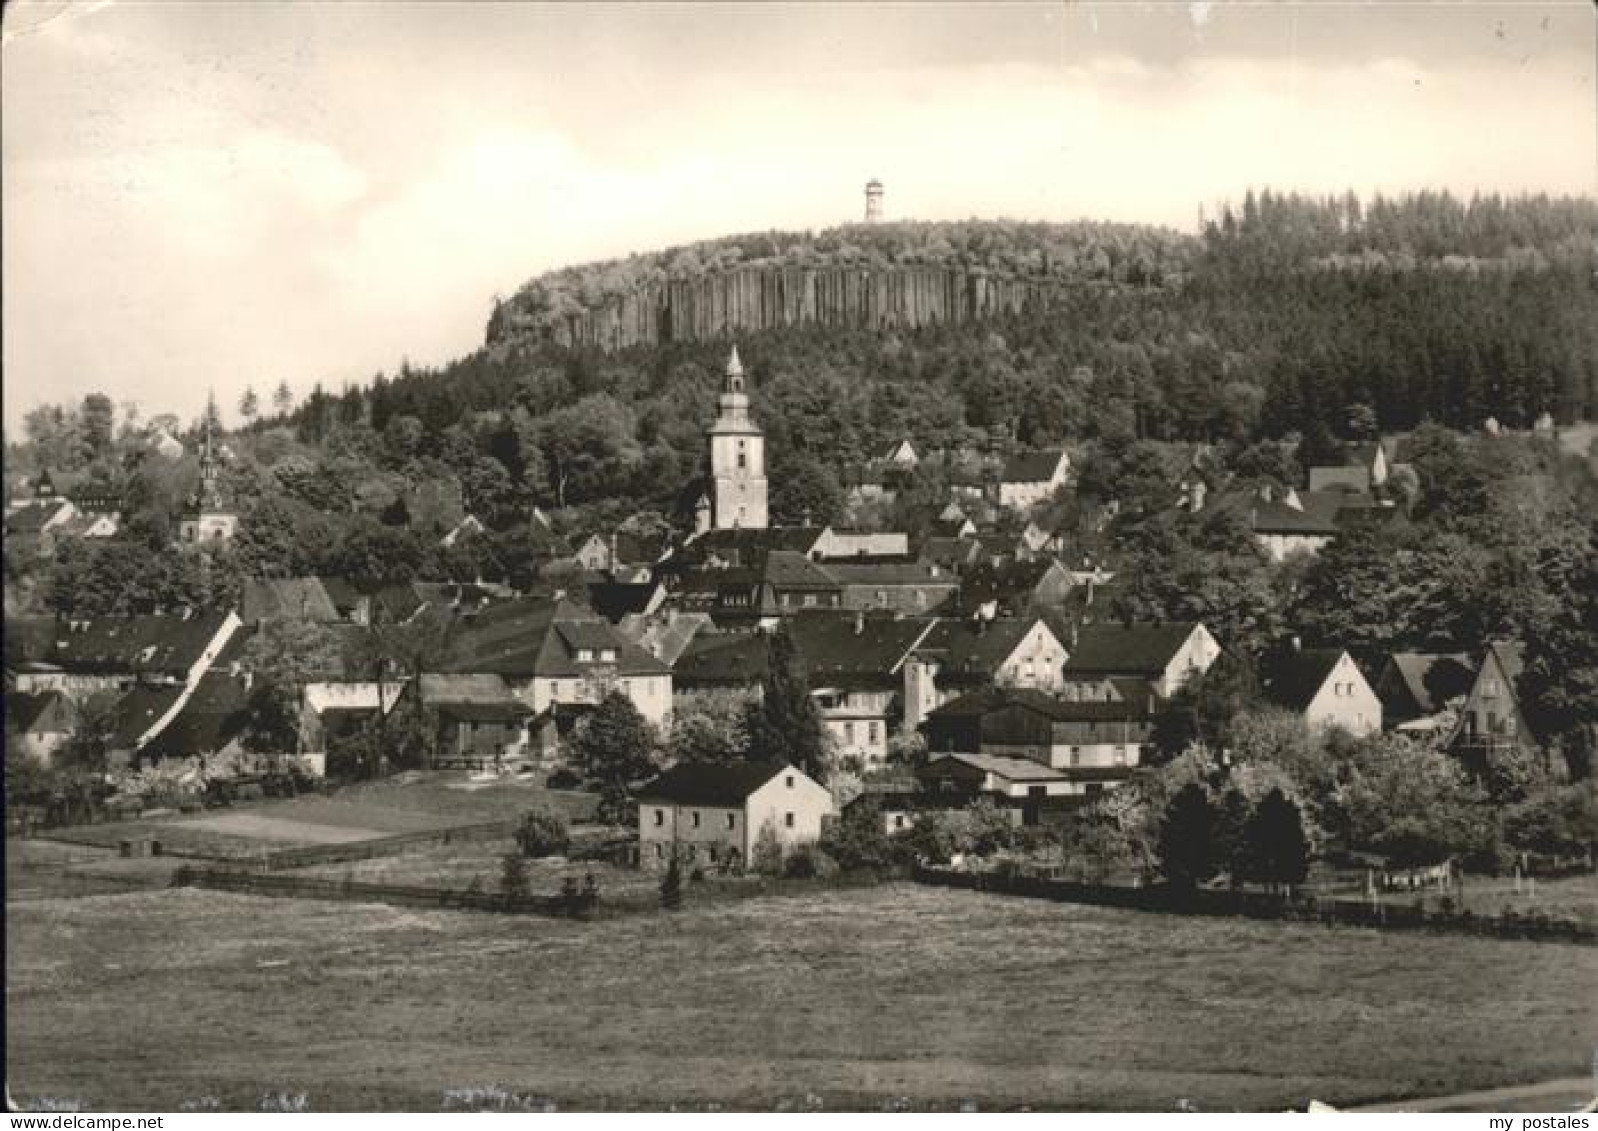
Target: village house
[
  {"x": 1365, "y": 469},
  {"x": 1325, "y": 688},
  {"x": 712, "y": 816},
  {"x": 1011, "y": 588},
  {"x": 1093, "y": 743},
  {"x": 1022, "y": 787},
  {"x": 903, "y": 586},
  {"x": 37, "y": 724},
  {"x": 1491, "y": 720},
  {"x": 1029, "y": 478},
  {"x": 480, "y": 721},
  {"x": 1164, "y": 656},
  {"x": 334, "y": 710},
  {"x": 91, "y": 655},
  {"x": 553, "y": 652},
  {"x": 854, "y": 664},
  {"x": 782, "y": 584},
  {"x": 469, "y": 527},
  {"x": 203, "y": 724},
  {"x": 960, "y": 655},
  {"x": 1416, "y": 688},
  {"x": 294, "y": 598}
]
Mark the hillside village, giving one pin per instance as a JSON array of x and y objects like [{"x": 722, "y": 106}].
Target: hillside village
[{"x": 985, "y": 657}]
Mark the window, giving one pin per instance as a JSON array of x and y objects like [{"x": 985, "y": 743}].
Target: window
[
  {"x": 660, "y": 852},
  {"x": 693, "y": 818},
  {"x": 660, "y": 817},
  {"x": 1509, "y": 726},
  {"x": 743, "y": 456},
  {"x": 1489, "y": 686},
  {"x": 1076, "y": 756},
  {"x": 787, "y": 819},
  {"x": 871, "y": 733},
  {"x": 788, "y": 782},
  {"x": 732, "y": 821},
  {"x": 607, "y": 655},
  {"x": 848, "y": 734},
  {"x": 898, "y": 820},
  {"x": 810, "y": 600},
  {"x": 585, "y": 656}
]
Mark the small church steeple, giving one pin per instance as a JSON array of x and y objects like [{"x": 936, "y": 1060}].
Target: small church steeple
[
  {"x": 737, "y": 456},
  {"x": 207, "y": 519}
]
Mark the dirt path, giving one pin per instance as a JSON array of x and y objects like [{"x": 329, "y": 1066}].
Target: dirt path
[{"x": 1569, "y": 1094}]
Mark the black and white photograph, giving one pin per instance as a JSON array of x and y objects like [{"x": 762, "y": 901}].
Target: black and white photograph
[{"x": 809, "y": 557}]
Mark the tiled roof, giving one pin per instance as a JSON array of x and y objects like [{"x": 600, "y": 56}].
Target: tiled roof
[
  {"x": 1121, "y": 649},
  {"x": 1432, "y": 678},
  {"x": 712, "y": 785},
  {"x": 27, "y": 710},
  {"x": 969, "y": 651},
  {"x": 1293, "y": 680},
  {"x": 1032, "y": 467},
  {"x": 537, "y": 636},
  {"x": 716, "y": 660},
  {"x": 214, "y": 715},
  {"x": 1011, "y": 769},
  {"x": 154, "y": 644},
  {"x": 851, "y": 648},
  {"x": 614, "y": 600},
  {"x": 301, "y": 598}
]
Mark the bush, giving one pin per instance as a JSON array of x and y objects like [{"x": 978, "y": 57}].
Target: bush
[
  {"x": 564, "y": 779},
  {"x": 858, "y": 841},
  {"x": 543, "y": 834},
  {"x": 809, "y": 862},
  {"x": 671, "y": 886},
  {"x": 766, "y": 856},
  {"x": 514, "y": 883}
]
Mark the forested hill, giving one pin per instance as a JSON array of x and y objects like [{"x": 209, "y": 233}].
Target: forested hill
[{"x": 877, "y": 276}]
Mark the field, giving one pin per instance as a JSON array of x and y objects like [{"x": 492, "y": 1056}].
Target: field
[
  {"x": 840, "y": 999},
  {"x": 406, "y": 805},
  {"x": 1568, "y": 897}
]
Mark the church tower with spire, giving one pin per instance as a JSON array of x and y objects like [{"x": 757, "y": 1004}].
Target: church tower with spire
[
  {"x": 207, "y": 520},
  {"x": 737, "y": 458}
]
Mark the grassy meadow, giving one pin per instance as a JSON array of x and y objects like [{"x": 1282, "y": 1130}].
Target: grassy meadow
[{"x": 864, "y": 998}]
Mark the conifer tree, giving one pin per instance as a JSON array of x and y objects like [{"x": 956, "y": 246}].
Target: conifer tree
[{"x": 786, "y": 724}]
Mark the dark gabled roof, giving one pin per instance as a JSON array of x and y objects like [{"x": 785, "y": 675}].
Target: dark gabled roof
[
  {"x": 853, "y": 648},
  {"x": 969, "y": 651},
  {"x": 31, "y": 518},
  {"x": 614, "y": 600},
  {"x": 300, "y": 598},
  {"x": 1294, "y": 679},
  {"x": 1511, "y": 660},
  {"x": 537, "y": 636},
  {"x": 1032, "y": 467},
  {"x": 1428, "y": 679},
  {"x": 893, "y": 571},
  {"x": 985, "y": 701},
  {"x": 712, "y": 785},
  {"x": 1122, "y": 649},
  {"x": 1011, "y": 583},
  {"x": 138, "y": 710},
  {"x": 715, "y": 660},
  {"x": 29, "y": 710},
  {"x": 789, "y": 569},
  {"x": 214, "y": 715},
  {"x": 749, "y": 545},
  {"x": 345, "y": 596},
  {"x": 154, "y": 644}
]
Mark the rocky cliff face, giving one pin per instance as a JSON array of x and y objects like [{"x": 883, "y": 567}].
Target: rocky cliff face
[{"x": 761, "y": 298}]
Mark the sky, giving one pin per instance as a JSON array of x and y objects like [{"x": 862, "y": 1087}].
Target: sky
[{"x": 212, "y": 195}]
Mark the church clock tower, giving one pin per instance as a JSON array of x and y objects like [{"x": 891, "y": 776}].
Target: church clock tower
[{"x": 737, "y": 458}]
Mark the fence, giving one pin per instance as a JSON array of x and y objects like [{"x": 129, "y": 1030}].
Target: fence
[
  {"x": 309, "y": 856},
  {"x": 352, "y": 891},
  {"x": 1261, "y": 905}
]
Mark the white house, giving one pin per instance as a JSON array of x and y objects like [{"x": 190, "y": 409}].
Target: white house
[{"x": 712, "y": 816}]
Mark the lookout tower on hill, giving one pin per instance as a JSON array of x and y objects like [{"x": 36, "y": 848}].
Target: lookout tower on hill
[
  {"x": 873, "y": 200},
  {"x": 737, "y": 457}
]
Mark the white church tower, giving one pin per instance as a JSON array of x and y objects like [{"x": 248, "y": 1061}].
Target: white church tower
[{"x": 737, "y": 458}]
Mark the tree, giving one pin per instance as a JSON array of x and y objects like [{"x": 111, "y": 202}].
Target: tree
[
  {"x": 97, "y": 421},
  {"x": 1187, "y": 838},
  {"x": 858, "y": 841},
  {"x": 786, "y": 724},
  {"x": 671, "y": 886},
  {"x": 282, "y": 398},
  {"x": 804, "y": 491},
  {"x": 543, "y": 834},
  {"x": 615, "y": 746},
  {"x": 514, "y": 883},
  {"x": 272, "y": 718},
  {"x": 766, "y": 855},
  {"x": 1275, "y": 849},
  {"x": 713, "y": 729},
  {"x": 1232, "y": 818},
  {"x": 249, "y": 405},
  {"x": 1411, "y": 802}
]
